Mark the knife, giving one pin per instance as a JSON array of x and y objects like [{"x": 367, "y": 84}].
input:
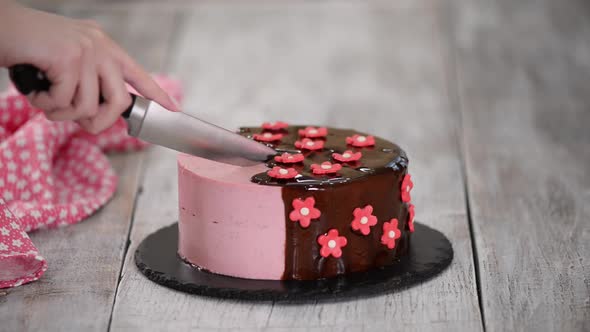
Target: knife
[{"x": 179, "y": 131}]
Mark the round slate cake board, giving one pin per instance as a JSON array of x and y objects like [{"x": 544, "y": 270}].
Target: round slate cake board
[{"x": 430, "y": 252}]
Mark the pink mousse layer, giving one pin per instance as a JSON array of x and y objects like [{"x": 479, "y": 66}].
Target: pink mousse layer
[{"x": 229, "y": 225}]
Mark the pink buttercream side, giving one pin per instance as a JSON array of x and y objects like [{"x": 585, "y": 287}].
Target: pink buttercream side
[{"x": 229, "y": 225}]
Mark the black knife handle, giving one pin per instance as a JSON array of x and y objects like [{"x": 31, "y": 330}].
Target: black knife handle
[{"x": 28, "y": 78}]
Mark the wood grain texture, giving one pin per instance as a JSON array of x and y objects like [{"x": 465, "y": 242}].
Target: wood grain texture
[
  {"x": 76, "y": 292},
  {"x": 374, "y": 68},
  {"x": 523, "y": 69},
  {"x": 85, "y": 260}
]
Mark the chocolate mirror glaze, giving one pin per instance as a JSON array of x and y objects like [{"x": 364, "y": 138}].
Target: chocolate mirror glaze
[
  {"x": 376, "y": 159},
  {"x": 336, "y": 203},
  {"x": 373, "y": 180}
]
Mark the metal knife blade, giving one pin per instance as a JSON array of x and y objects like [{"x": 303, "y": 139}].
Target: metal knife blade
[
  {"x": 182, "y": 132},
  {"x": 153, "y": 123}
]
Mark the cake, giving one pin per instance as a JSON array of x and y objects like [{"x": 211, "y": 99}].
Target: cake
[{"x": 333, "y": 202}]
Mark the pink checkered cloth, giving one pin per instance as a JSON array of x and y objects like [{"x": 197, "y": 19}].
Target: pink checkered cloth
[{"x": 52, "y": 174}]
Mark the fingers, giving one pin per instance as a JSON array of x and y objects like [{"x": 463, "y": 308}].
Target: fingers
[
  {"x": 63, "y": 87},
  {"x": 116, "y": 99},
  {"x": 139, "y": 79},
  {"x": 91, "y": 64},
  {"x": 85, "y": 102}
]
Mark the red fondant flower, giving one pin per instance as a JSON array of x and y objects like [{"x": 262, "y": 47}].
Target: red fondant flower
[
  {"x": 390, "y": 233},
  {"x": 304, "y": 211},
  {"x": 279, "y": 125},
  {"x": 288, "y": 158},
  {"x": 363, "y": 219},
  {"x": 282, "y": 173},
  {"x": 313, "y": 132},
  {"x": 309, "y": 144},
  {"x": 331, "y": 243},
  {"x": 325, "y": 168},
  {"x": 347, "y": 156},
  {"x": 360, "y": 140},
  {"x": 407, "y": 186},
  {"x": 411, "y": 217},
  {"x": 267, "y": 137}
]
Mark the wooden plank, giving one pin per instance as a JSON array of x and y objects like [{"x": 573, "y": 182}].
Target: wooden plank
[
  {"x": 85, "y": 260},
  {"x": 524, "y": 69},
  {"x": 378, "y": 69}
]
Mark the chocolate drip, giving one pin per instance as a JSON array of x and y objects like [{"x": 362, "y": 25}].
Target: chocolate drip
[
  {"x": 374, "y": 180},
  {"x": 362, "y": 252}
]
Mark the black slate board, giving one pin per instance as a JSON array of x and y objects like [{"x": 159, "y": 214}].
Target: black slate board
[{"x": 430, "y": 253}]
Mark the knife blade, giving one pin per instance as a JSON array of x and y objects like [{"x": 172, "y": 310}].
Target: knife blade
[
  {"x": 183, "y": 132},
  {"x": 179, "y": 131}
]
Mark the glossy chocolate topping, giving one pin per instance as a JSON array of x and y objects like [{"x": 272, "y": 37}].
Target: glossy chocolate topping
[
  {"x": 381, "y": 157},
  {"x": 373, "y": 180}
]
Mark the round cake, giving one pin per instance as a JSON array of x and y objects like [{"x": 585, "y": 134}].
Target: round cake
[{"x": 334, "y": 201}]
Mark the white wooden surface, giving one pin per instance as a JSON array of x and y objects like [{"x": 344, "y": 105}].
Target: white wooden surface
[
  {"x": 523, "y": 81},
  {"x": 488, "y": 96},
  {"x": 344, "y": 65}
]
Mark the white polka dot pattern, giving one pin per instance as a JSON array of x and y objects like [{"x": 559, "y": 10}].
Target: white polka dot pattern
[{"x": 52, "y": 174}]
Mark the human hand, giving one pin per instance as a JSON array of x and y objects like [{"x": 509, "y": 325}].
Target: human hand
[{"x": 80, "y": 61}]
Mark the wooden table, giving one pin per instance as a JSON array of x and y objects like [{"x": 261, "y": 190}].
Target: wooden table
[{"x": 490, "y": 98}]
